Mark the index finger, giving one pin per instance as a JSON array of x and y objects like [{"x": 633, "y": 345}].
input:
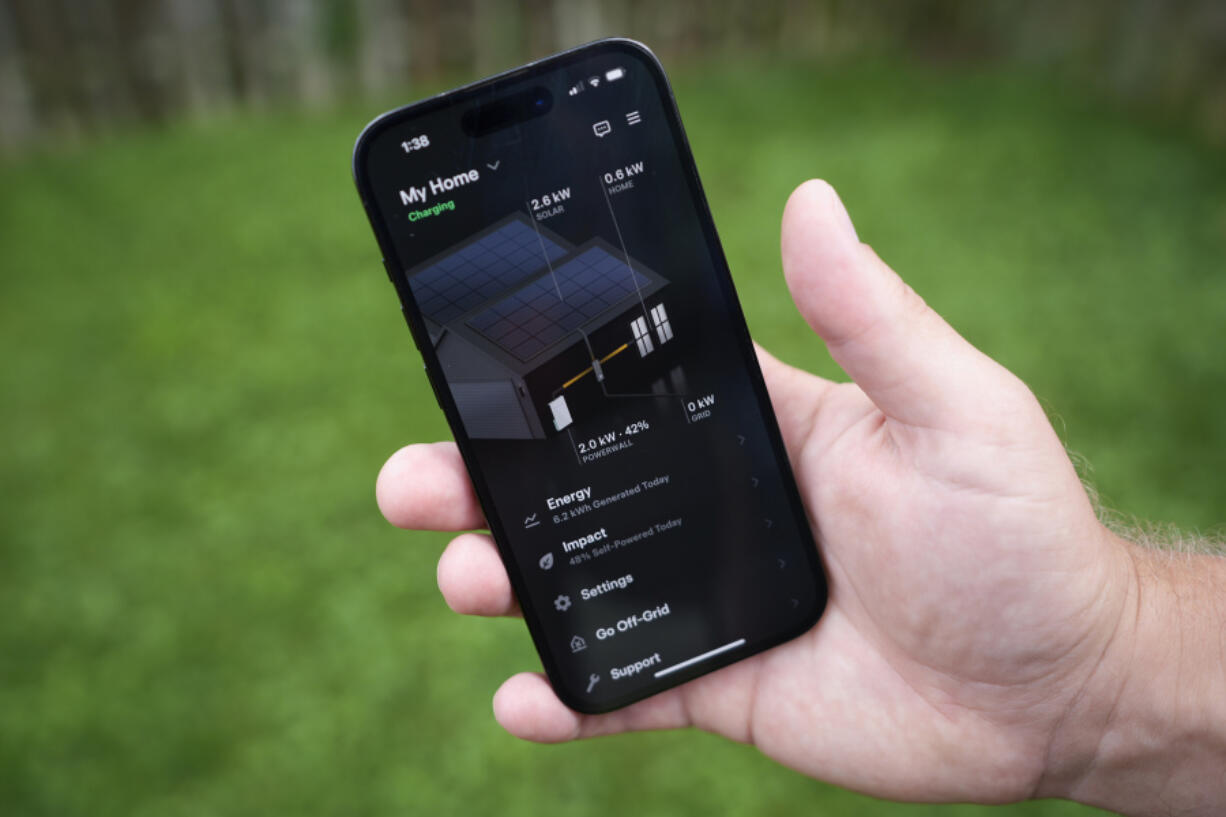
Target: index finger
[{"x": 426, "y": 487}]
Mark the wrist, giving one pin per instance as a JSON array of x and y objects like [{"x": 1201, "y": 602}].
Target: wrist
[{"x": 1147, "y": 732}]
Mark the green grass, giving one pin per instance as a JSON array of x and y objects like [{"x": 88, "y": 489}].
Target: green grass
[{"x": 201, "y": 611}]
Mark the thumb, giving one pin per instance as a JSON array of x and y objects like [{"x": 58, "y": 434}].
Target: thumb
[{"x": 911, "y": 363}]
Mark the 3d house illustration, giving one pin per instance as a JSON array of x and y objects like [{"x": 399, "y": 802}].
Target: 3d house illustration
[{"x": 533, "y": 333}]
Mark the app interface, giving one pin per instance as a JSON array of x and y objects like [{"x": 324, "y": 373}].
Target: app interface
[{"x": 585, "y": 330}]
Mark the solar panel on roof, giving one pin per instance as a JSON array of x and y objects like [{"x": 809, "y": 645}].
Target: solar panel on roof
[
  {"x": 528, "y": 321},
  {"x": 476, "y": 272}
]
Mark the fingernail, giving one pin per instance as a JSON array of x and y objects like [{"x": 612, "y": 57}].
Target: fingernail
[{"x": 847, "y": 225}]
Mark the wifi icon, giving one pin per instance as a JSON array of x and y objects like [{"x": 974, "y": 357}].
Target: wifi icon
[{"x": 593, "y": 81}]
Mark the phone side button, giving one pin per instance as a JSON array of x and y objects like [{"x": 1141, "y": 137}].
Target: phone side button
[
  {"x": 388, "y": 270},
  {"x": 433, "y": 386}
]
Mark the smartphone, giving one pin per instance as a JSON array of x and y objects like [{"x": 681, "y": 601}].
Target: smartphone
[{"x": 559, "y": 270}]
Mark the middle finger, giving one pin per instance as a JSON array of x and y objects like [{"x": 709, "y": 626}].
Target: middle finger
[{"x": 473, "y": 580}]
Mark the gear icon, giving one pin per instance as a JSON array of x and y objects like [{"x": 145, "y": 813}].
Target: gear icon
[{"x": 561, "y": 604}]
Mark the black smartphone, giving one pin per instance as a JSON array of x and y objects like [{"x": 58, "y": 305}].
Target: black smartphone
[{"x": 558, "y": 266}]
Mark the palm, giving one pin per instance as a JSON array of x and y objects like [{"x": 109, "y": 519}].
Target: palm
[{"x": 954, "y": 617}]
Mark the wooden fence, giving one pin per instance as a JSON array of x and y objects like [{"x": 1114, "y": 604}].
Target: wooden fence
[{"x": 73, "y": 67}]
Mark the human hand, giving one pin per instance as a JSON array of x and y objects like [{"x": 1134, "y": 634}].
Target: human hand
[{"x": 973, "y": 591}]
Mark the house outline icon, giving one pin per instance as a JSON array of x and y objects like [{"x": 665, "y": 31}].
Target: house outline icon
[{"x": 577, "y": 643}]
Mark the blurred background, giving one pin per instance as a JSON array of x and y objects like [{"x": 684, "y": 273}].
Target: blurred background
[{"x": 201, "y": 611}]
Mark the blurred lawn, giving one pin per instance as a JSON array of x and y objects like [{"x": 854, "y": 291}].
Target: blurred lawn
[{"x": 201, "y": 611}]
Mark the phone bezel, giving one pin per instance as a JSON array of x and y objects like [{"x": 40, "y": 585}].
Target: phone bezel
[{"x": 413, "y": 317}]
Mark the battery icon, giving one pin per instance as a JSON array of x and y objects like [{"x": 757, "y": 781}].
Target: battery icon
[{"x": 614, "y": 74}]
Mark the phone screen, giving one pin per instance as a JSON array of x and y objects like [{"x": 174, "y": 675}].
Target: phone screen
[{"x": 558, "y": 265}]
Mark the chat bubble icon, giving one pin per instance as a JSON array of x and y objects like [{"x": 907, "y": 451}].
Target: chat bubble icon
[{"x": 602, "y": 128}]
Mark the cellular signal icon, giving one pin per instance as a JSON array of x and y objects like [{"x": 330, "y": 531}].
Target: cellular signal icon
[{"x": 575, "y": 89}]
